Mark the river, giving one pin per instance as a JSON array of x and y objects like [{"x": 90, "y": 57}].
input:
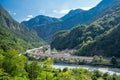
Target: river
[
  {"x": 91, "y": 68},
  {"x": 61, "y": 66}
]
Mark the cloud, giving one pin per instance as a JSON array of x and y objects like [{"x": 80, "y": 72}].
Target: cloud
[
  {"x": 14, "y": 13},
  {"x": 65, "y": 11},
  {"x": 41, "y": 11},
  {"x": 9, "y": 12},
  {"x": 86, "y": 8},
  {"x": 55, "y": 11},
  {"x": 29, "y": 17}
]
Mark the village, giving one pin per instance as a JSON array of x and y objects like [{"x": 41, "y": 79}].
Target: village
[{"x": 64, "y": 56}]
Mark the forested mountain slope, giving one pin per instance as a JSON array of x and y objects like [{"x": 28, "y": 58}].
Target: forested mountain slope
[
  {"x": 106, "y": 45},
  {"x": 40, "y": 20},
  {"x": 70, "y": 20},
  {"x": 85, "y": 34},
  {"x": 16, "y": 35}
]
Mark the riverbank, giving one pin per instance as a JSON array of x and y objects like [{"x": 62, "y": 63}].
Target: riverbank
[
  {"x": 99, "y": 61},
  {"x": 111, "y": 71},
  {"x": 102, "y": 69}
]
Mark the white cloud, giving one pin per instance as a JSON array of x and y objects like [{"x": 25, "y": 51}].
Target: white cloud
[
  {"x": 14, "y": 13},
  {"x": 65, "y": 11},
  {"x": 9, "y": 12},
  {"x": 29, "y": 17},
  {"x": 41, "y": 11},
  {"x": 86, "y": 8},
  {"x": 55, "y": 11}
]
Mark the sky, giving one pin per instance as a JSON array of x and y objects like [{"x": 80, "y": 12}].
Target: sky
[{"x": 22, "y": 10}]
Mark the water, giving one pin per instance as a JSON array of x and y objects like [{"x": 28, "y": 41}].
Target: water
[{"x": 91, "y": 68}]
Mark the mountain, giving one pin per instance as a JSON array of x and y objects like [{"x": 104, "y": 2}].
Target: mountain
[
  {"x": 68, "y": 39},
  {"x": 106, "y": 44},
  {"x": 40, "y": 20},
  {"x": 100, "y": 37},
  {"x": 16, "y": 35},
  {"x": 70, "y": 20},
  {"x": 38, "y": 24},
  {"x": 72, "y": 13}
]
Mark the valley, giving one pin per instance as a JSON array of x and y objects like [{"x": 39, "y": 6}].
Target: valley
[
  {"x": 79, "y": 45},
  {"x": 67, "y": 57}
]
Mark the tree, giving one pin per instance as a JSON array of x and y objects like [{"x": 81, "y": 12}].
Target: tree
[
  {"x": 114, "y": 77},
  {"x": 47, "y": 63},
  {"x": 65, "y": 69},
  {"x": 101, "y": 58},
  {"x": 14, "y": 63},
  {"x": 3, "y": 75},
  {"x": 114, "y": 61},
  {"x": 47, "y": 66},
  {"x": 97, "y": 73},
  {"x": 96, "y": 59},
  {"x": 33, "y": 70},
  {"x": 8, "y": 65},
  {"x": 106, "y": 76},
  {"x": 44, "y": 49},
  {"x": 94, "y": 77},
  {"x": 1, "y": 58},
  {"x": 20, "y": 78}
]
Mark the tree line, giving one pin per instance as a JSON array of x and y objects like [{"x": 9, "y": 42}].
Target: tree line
[{"x": 15, "y": 66}]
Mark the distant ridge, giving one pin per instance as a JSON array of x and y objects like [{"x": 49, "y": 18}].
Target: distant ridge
[{"x": 70, "y": 20}]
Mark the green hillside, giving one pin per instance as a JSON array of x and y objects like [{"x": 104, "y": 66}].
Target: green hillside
[
  {"x": 106, "y": 44},
  {"x": 15, "y": 35},
  {"x": 82, "y": 35},
  {"x": 9, "y": 40}
]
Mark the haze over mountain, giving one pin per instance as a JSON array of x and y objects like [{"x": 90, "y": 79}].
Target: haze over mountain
[
  {"x": 100, "y": 37},
  {"x": 73, "y": 18},
  {"x": 16, "y": 35}
]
